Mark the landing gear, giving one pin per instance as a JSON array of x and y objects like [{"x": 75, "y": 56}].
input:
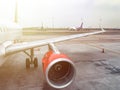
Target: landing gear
[
  {"x": 27, "y": 63},
  {"x": 32, "y": 60},
  {"x": 35, "y": 62}
]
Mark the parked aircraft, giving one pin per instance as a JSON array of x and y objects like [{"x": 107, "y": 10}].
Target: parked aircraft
[{"x": 77, "y": 28}]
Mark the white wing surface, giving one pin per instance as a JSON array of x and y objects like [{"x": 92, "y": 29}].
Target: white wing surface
[{"x": 25, "y": 46}]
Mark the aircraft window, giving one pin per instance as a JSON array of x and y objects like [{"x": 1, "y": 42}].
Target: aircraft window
[
  {"x": 5, "y": 29},
  {"x": 0, "y": 29}
]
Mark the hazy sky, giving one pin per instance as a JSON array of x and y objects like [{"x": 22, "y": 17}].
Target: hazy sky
[{"x": 63, "y": 13}]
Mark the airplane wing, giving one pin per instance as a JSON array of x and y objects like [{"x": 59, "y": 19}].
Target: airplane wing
[{"x": 14, "y": 48}]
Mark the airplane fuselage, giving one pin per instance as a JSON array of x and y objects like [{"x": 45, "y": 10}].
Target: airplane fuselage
[{"x": 10, "y": 32}]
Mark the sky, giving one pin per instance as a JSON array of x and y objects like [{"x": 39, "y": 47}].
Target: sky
[{"x": 63, "y": 13}]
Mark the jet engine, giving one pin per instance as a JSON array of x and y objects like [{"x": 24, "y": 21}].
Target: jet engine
[{"x": 59, "y": 70}]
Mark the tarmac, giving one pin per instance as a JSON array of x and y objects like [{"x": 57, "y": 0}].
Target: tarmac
[{"x": 96, "y": 58}]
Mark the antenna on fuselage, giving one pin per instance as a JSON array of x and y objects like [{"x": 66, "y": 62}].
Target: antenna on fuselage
[{"x": 16, "y": 12}]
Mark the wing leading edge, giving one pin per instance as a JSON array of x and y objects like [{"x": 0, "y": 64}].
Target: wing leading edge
[{"x": 25, "y": 46}]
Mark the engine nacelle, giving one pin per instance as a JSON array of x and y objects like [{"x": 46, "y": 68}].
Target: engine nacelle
[{"x": 59, "y": 70}]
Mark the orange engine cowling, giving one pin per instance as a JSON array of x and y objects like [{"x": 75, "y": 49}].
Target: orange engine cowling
[{"x": 59, "y": 70}]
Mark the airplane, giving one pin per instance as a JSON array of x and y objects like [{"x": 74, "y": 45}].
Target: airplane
[
  {"x": 59, "y": 70},
  {"x": 77, "y": 28}
]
